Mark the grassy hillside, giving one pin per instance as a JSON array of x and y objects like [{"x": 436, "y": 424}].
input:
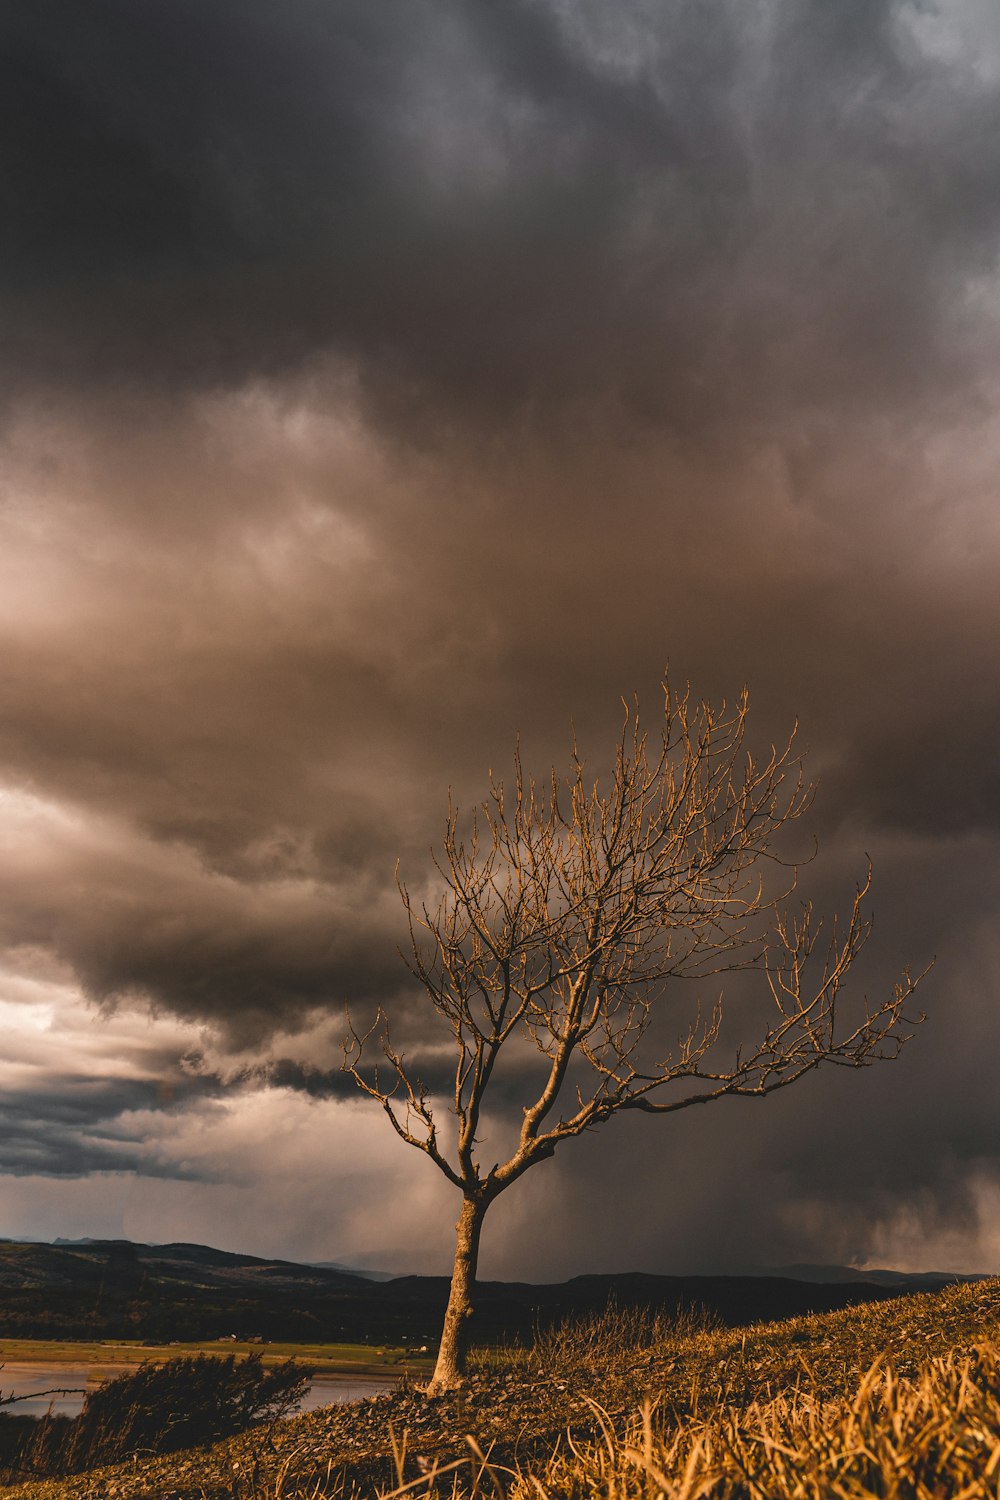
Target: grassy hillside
[{"x": 898, "y": 1398}]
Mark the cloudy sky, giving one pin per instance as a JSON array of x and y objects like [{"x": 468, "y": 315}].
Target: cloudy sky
[{"x": 382, "y": 380}]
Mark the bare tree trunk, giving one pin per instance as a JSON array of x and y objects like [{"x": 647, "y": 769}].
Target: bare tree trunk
[{"x": 450, "y": 1369}]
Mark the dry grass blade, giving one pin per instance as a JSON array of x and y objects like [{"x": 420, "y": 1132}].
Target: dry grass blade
[{"x": 935, "y": 1436}]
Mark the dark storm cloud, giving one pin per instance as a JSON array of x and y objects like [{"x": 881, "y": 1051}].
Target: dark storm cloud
[
  {"x": 68, "y": 1126},
  {"x": 491, "y": 202},
  {"x": 171, "y": 165},
  {"x": 318, "y": 1083},
  {"x": 386, "y": 379},
  {"x": 251, "y": 956}
]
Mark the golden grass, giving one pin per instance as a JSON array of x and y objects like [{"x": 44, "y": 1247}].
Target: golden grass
[
  {"x": 898, "y": 1400},
  {"x": 935, "y": 1436},
  {"x": 778, "y": 1412}
]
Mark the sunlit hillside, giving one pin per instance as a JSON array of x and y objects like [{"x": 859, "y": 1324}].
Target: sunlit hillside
[{"x": 897, "y": 1398}]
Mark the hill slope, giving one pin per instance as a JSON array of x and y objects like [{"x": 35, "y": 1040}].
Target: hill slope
[{"x": 809, "y": 1378}]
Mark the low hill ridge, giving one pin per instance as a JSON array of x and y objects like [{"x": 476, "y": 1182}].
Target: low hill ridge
[{"x": 180, "y": 1290}]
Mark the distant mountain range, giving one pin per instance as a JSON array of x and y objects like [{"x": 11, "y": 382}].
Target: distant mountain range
[
  {"x": 333, "y": 1265},
  {"x": 118, "y": 1289},
  {"x": 823, "y": 1275},
  {"x": 322, "y": 1265},
  {"x": 928, "y": 1281}
]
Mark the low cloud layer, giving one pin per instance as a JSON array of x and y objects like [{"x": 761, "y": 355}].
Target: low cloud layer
[{"x": 380, "y": 383}]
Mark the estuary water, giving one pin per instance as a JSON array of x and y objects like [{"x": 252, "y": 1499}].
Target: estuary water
[{"x": 73, "y": 1381}]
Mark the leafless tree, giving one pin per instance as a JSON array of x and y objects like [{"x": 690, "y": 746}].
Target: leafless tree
[{"x": 570, "y": 914}]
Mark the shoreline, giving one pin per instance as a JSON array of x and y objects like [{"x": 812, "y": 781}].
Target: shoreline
[{"x": 60, "y": 1387}]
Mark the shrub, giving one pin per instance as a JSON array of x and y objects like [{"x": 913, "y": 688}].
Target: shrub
[{"x": 183, "y": 1403}]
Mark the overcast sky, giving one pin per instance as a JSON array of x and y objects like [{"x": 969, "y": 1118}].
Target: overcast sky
[{"x": 380, "y": 380}]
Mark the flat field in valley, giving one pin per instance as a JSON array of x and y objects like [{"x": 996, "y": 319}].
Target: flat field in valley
[{"x": 355, "y": 1359}]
